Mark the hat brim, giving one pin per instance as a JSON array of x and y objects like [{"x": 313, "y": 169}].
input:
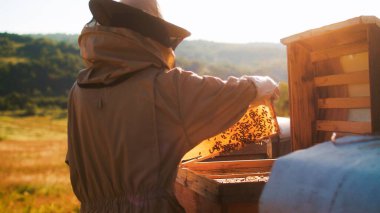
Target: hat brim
[{"x": 116, "y": 14}]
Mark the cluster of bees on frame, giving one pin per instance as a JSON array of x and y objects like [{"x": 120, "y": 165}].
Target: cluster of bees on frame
[{"x": 257, "y": 124}]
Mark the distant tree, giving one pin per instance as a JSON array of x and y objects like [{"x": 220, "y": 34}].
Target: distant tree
[
  {"x": 6, "y": 47},
  {"x": 282, "y": 104},
  {"x": 52, "y": 63}
]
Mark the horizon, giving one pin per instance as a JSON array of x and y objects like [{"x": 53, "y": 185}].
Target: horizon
[
  {"x": 187, "y": 39},
  {"x": 238, "y": 22}
]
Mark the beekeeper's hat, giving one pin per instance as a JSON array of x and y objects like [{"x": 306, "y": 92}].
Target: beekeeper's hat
[{"x": 142, "y": 16}]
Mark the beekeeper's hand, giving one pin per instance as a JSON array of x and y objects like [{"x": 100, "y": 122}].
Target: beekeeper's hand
[{"x": 266, "y": 87}]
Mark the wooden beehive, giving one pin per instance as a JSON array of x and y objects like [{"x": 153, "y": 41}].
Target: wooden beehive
[
  {"x": 229, "y": 186},
  {"x": 206, "y": 184},
  {"x": 334, "y": 80}
]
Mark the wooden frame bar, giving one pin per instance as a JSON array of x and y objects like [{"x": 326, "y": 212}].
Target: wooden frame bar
[
  {"x": 344, "y": 103},
  {"x": 301, "y": 96},
  {"x": 239, "y": 175},
  {"x": 374, "y": 68},
  {"x": 338, "y": 51},
  {"x": 198, "y": 191},
  {"x": 338, "y": 80},
  {"x": 360, "y": 77},
  {"x": 344, "y": 126},
  {"x": 224, "y": 165}
]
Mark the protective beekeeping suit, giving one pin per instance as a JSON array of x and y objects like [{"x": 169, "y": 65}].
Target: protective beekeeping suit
[{"x": 133, "y": 115}]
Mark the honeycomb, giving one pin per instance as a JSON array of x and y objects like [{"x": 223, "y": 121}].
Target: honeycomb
[{"x": 255, "y": 126}]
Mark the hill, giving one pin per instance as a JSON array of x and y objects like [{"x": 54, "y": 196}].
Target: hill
[
  {"x": 38, "y": 70},
  {"x": 35, "y": 72},
  {"x": 218, "y": 59},
  {"x": 227, "y": 59}
]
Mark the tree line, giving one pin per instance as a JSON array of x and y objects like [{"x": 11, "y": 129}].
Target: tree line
[{"x": 37, "y": 71}]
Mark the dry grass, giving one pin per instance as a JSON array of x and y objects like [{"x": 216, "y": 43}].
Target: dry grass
[
  {"x": 33, "y": 175},
  {"x": 13, "y": 60}
]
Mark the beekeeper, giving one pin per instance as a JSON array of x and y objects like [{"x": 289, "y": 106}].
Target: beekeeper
[{"x": 133, "y": 115}]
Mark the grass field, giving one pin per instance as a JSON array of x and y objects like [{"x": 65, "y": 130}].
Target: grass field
[{"x": 33, "y": 175}]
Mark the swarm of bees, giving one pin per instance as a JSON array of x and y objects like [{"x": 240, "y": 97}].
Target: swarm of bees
[{"x": 256, "y": 125}]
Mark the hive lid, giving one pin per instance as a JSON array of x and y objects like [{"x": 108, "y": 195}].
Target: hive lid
[
  {"x": 340, "y": 176},
  {"x": 256, "y": 125},
  {"x": 332, "y": 27}
]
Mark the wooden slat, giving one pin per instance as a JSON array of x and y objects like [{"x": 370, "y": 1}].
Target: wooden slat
[
  {"x": 301, "y": 96},
  {"x": 331, "y": 28},
  {"x": 202, "y": 185},
  {"x": 344, "y": 126},
  {"x": 360, "y": 77},
  {"x": 192, "y": 201},
  {"x": 374, "y": 68},
  {"x": 344, "y": 103},
  {"x": 344, "y": 36},
  {"x": 239, "y": 175},
  {"x": 224, "y": 165},
  {"x": 338, "y": 51}
]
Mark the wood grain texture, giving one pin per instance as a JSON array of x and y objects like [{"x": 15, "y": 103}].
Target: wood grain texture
[
  {"x": 344, "y": 103},
  {"x": 197, "y": 191},
  {"x": 338, "y": 51},
  {"x": 344, "y": 126},
  {"x": 331, "y": 28},
  {"x": 202, "y": 185},
  {"x": 228, "y": 165},
  {"x": 325, "y": 68},
  {"x": 360, "y": 77},
  {"x": 374, "y": 69},
  {"x": 238, "y": 175},
  {"x": 302, "y": 96},
  {"x": 194, "y": 202},
  {"x": 348, "y": 35}
]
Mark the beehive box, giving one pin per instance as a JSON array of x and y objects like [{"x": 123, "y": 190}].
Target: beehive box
[
  {"x": 229, "y": 186},
  {"x": 334, "y": 80},
  {"x": 206, "y": 184}
]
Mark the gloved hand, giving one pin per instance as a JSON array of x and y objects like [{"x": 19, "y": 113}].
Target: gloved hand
[{"x": 266, "y": 87}]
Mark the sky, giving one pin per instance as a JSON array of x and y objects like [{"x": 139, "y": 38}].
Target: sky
[{"x": 233, "y": 21}]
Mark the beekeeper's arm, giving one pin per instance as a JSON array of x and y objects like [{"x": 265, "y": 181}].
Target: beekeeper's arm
[{"x": 209, "y": 105}]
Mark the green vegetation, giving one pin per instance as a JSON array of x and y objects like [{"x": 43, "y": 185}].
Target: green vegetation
[
  {"x": 37, "y": 71},
  {"x": 224, "y": 59},
  {"x": 282, "y": 104}
]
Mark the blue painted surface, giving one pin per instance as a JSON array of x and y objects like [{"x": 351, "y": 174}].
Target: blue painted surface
[{"x": 340, "y": 177}]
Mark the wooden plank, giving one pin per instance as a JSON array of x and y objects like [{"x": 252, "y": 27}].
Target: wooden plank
[
  {"x": 193, "y": 202},
  {"x": 374, "y": 69},
  {"x": 332, "y": 27},
  {"x": 241, "y": 207},
  {"x": 302, "y": 96},
  {"x": 338, "y": 51},
  {"x": 359, "y": 77},
  {"x": 344, "y": 103},
  {"x": 323, "y": 68},
  {"x": 204, "y": 186},
  {"x": 357, "y": 33},
  {"x": 232, "y": 171},
  {"x": 246, "y": 192},
  {"x": 238, "y": 175},
  {"x": 344, "y": 126},
  {"x": 225, "y": 165}
]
